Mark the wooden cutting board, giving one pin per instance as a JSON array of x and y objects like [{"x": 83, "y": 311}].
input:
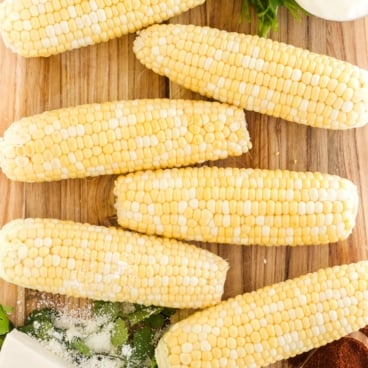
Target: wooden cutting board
[{"x": 110, "y": 71}]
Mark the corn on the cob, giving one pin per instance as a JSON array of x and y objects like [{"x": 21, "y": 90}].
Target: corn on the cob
[
  {"x": 105, "y": 263},
  {"x": 273, "y": 323},
  {"x": 119, "y": 137},
  {"x": 44, "y": 28},
  {"x": 258, "y": 74},
  {"x": 241, "y": 206}
]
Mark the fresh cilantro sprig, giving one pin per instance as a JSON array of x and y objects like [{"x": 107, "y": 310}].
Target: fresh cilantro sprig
[{"x": 267, "y": 11}]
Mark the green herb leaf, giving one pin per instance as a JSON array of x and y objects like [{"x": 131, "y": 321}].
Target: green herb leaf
[
  {"x": 42, "y": 329},
  {"x": 143, "y": 348},
  {"x": 4, "y": 320},
  {"x": 80, "y": 346},
  {"x": 111, "y": 310},
  {"x": 5, "y": 324},
  {"x": 39, "y": 315},
  {"x": 7, "y": 309},
  {"x": 156, "y": 321},
  {"x": 267, "y": 11},
  {"x": 120, "y": 333},
  {"x": 142, "y": 313}
]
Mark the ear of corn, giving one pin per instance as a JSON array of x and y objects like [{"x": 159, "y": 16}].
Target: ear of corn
[
  {"x": 104, "y": 263},
  {"x": 273, "y": 323},
  {"x": 258, "y": 74},
  {"x": 44, "y": 28},
  {"x": 239, "y": 206},
  {"x": 119, "y": 137}
]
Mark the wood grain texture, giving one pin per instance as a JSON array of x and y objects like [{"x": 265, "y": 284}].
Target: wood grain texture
[{"x": 110, "y": 71}]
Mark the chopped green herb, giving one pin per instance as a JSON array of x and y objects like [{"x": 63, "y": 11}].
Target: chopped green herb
[
  {"x": 80, "y": 347},
  {"x": 143, "y": 347},
  {"x": 4, "y": 320},
  {"x": 44, "y": 314},
  {"x": 120, "y": 333},
  {"x": 142, "y": 313},
  {"x": 41, "y": 329},
  {"x": 110, "y": 310},
  {"x": 156, "y": 321},
  {"x": 267, "y": 12}
]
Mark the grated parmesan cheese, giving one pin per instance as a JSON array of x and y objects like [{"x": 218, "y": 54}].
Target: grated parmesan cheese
[
  {"x": 96, "y": 333},
  {"x": 100, "y": 342}
]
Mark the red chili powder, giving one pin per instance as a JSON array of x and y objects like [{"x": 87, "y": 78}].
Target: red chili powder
[{"x": 344, "y": 353}]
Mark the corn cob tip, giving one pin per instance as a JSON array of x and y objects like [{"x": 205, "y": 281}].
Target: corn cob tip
[
  {"x": 6, "y": 19},
  {"x": 161, "y": 354},
  {"x": 5, "y": 244},
  {"x": 2, "y": 16},
  {"x": 2, "y": 147}
]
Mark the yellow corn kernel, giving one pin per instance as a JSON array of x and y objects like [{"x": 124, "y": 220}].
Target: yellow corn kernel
[
  {"x": 119, "y": 137},
  {"x": 273, "y": 323},
  {"x": 258, "y": 74},
  {"x": 246, "y": 206},
  {"x": 109, "y": 264},
  {"x": 45, "y": 28}
]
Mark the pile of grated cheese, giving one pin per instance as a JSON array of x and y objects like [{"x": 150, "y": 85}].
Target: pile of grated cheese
[{"x": 95, "y": 332}]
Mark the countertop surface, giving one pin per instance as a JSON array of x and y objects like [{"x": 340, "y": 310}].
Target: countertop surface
[{"x": 110, "y": 71}]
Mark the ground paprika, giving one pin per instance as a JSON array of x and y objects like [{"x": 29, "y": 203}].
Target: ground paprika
[{"x": 348, "y": 352}]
